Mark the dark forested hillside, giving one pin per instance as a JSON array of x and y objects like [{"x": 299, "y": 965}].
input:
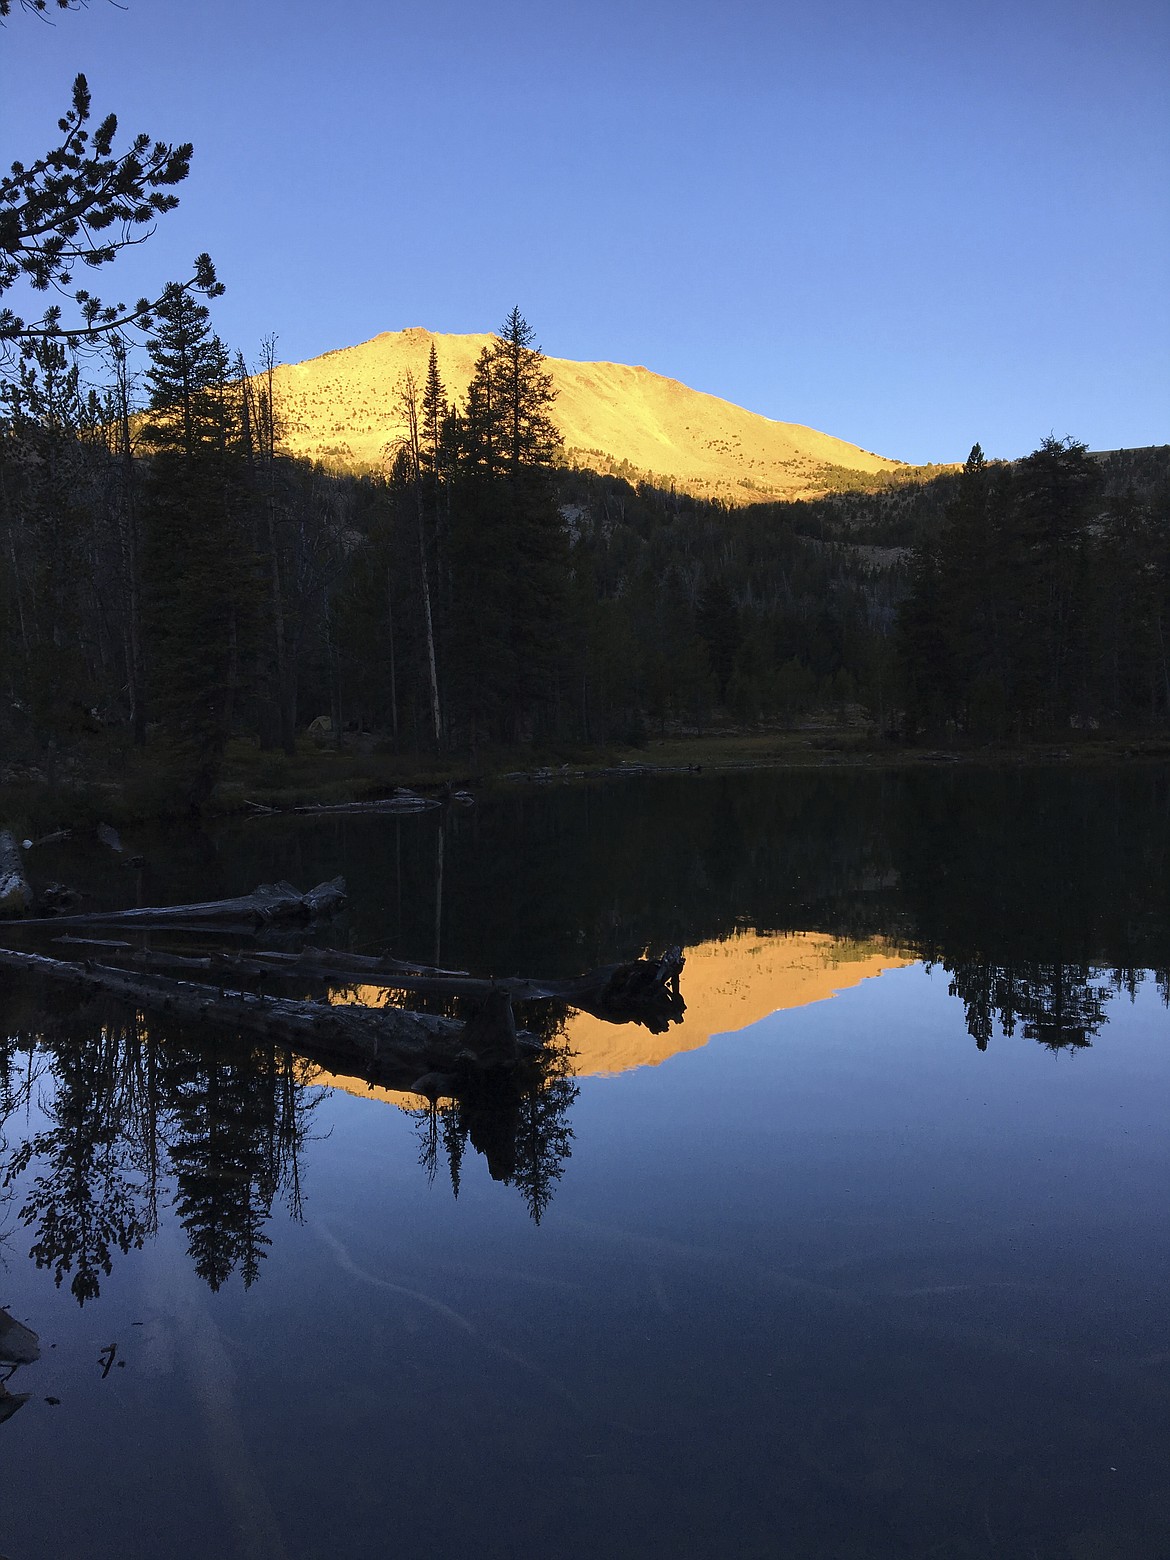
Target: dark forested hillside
[
  {"x": 1041, "y": 602},
  {"x": 170, "y": 579}
]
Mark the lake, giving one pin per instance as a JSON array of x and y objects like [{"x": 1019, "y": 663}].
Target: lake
[{"x": 868, "y": 1258}]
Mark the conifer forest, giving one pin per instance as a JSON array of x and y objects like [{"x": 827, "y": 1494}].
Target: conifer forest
[{"x": 169, "y": 578}]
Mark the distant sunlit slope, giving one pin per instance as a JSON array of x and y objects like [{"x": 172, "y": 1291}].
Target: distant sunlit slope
[{"x": 340, "y": 409}]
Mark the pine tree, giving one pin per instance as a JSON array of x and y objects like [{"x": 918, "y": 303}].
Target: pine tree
[
  {"x": 525, "y": 393},
  {"x": 81, "y": 204},
  {"x": 434, "y": 416},
  {"x": 198, "y": 573},
  {"x": 509, "y": 547},
  {"x": 719, "y": 628},
  {"x": 480, "y": 428},
  {"x": 1057, "y": 491},
  {"x": 46, "y": 497}
]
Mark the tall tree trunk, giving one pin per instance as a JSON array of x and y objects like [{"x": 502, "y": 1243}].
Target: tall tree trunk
[
  {"x": 408, "y": 401},
  {"x": 393, "y": 668},
  {"x": 130, "y": 557},
  {"x": 436, "y": 712}
]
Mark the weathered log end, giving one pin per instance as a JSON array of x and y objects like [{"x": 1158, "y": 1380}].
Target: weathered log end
[
  {"x": 15, "y": 892},
  {"x": 10, "y": 1402},
  {"x": 434, "y": 1086},
  {"x": 490, "y": 1033},
  {"x": 326, "y": 899},
  {"x": 281, "y": 904},
  {"x": 19, "y": 1345},
  {"x": 645, "y": 991}
]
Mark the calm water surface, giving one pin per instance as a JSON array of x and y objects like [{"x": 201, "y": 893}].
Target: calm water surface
[{"x": 867, "y": 1259}]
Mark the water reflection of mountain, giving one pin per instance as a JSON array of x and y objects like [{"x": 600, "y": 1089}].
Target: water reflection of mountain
[{"x": 729, "y": 983}]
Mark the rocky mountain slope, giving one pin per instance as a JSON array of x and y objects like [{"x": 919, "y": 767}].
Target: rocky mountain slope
[{"x": 339, "y": 409}]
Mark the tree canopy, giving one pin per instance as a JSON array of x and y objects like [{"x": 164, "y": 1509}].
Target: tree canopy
[{"x": 79, "y": 206}]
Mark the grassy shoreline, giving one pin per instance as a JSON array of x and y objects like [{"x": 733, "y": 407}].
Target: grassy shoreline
[{"x": 33, "y": 802}]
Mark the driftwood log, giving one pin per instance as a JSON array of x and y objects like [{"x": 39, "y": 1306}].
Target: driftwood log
[
  {"x": 642, "y": 991},
  {"x": 15, "y": 893},
  {"x": 272, "y": 904},
  {"x": 401, "y": 802},
  {"x": 395, "y": 1047}
]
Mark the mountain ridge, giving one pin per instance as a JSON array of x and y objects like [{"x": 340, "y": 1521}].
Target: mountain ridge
[{"x": 615, "y": 418}]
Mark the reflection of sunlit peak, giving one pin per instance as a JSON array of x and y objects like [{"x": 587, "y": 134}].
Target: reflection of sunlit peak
[
  {"x": 729, "y": 984},
  {"x": 403, "y": 1098},
  {"x": 358, "y": 996}
]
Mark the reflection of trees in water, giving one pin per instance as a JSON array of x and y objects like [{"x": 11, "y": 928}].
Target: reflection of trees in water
[
  {"x": 133, "y": 1121},
  {"x": 522, "y": 1132},
  {"x": 125, "y": 1112},
  {"x": 86, "y": 1201},
  {"x": 520, "y": 1124},
  {"x": 1068, "y": 864},
  {"x": 1043, "y": 893},
  {"x": 236, "y": 1126},
  {"x": 1058, "y": 1005}
]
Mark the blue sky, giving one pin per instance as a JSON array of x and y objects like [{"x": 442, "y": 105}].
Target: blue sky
[{"x": 910, "y": 224}]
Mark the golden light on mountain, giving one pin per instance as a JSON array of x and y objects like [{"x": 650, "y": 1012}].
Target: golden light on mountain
[
  {"x": 728, "y": 984},
  {"x": 340, "y": 410}
]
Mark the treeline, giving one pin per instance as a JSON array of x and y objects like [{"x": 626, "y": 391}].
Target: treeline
[
  {"x": 1042, "y": 601},
  {"x": 169, "y": 578}
]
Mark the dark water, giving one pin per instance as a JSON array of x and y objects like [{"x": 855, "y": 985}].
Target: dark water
[{"x": 877, "y": 1274}]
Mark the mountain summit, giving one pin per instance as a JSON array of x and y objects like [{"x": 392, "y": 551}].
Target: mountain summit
[{"x": 340, "y": 409}]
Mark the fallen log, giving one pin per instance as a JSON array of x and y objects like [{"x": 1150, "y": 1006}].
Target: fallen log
[
  {"x": 272, "y": 904},
  {"x": 52, "y": 839},
  {"x": 95, "y": 942},
  {"x": 334, "y": 963},
  {"x": 641, "y": 991},
  {"x": 15, "y": 892},
  {"x": 406, "y": 802},
  {"x": 394, "y": 1045},
  {"x": 10, "y": 1402},
  {"x": 19, "y": 1345},
  {"x": 144, "y": 958},
  {"x": 155, "y": 959}
]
